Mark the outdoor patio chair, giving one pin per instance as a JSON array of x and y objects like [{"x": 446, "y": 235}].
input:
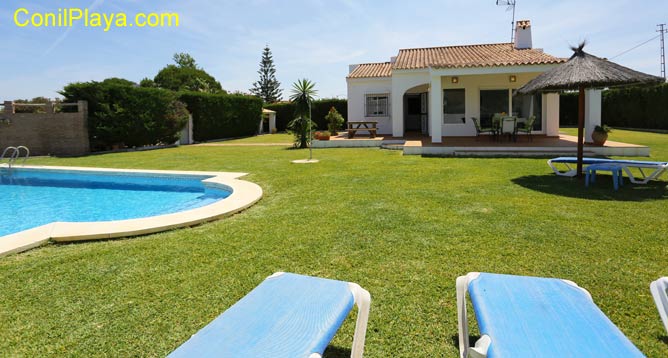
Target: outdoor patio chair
[
  {"x": 657, "y": 168},
  {"x": 659, "y": 289},
  {"x": 482, "y": 130},
  {"x": 527, "y": 128},
  {"x": 286, "y": 316},
  {"x": 521, "y": 316},
  {"x": 509, "y": 126}
]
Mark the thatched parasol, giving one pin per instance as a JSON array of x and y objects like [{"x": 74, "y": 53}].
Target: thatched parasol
[{"x": 582, "y": 71}]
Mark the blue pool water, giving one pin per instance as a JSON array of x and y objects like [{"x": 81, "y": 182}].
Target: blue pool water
[{"x": 31, "y": 198}]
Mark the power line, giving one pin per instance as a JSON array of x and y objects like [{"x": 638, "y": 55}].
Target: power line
[{"x": 633, "y": 48}]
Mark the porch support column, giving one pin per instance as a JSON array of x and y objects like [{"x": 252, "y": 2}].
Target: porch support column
[
  {"x": 592, "y": 112},
  {"x": 397, "y": 114},
  {"x": 551, "y": 114},
  {"x": 435, "y": 110}
]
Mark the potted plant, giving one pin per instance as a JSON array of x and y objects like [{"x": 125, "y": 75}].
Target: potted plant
[
  {"x": 600, "y": 134},
  {"x": 334, "y": 121},
  {"x": 317, "y": 135},
  {"x": 325, "y": 135}
]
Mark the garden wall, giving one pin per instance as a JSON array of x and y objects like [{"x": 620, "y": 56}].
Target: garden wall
[{"x": 48, "y": 133}]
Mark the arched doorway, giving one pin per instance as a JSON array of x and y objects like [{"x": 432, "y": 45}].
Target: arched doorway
[{"x": 416, "y": 110}]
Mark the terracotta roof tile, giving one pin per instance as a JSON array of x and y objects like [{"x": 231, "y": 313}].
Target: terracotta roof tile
[
  {"x": 471, "y": 56},
  {"x": 367, "y": 70}
]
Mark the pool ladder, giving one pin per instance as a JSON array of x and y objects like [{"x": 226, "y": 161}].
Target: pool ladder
[{"x": 13, "y": 154}]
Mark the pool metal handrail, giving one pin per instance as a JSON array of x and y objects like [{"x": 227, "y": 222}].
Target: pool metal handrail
[{"x": 15, "y": 154}]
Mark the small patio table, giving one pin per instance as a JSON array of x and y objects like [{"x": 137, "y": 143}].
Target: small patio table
[{"x": 615, "y": 169}]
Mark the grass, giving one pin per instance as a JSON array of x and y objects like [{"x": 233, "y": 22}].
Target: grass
[
  {"x": 656, "y": 141},
  {"x": 266, "y": 138},
  {"x": 403, "y": 227}
]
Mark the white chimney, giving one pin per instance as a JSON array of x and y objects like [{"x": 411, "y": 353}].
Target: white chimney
[
  {"x": 352, "y": 68},
  {"x": 523, "y": 34}
]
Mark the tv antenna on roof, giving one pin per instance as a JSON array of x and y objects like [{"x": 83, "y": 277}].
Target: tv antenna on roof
[{"x": 511, "y": 6}]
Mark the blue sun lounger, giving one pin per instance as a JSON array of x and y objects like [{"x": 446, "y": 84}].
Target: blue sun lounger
[
  {"x": 286, "y": 316},
  {"x": 522, "y": 316},
  {"x": 657, "y": 168}
]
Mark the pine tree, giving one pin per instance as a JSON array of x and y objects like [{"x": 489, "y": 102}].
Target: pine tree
[{"x": 267, "y": 87}]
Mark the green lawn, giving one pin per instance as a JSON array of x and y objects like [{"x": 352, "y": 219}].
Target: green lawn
[
  {"x": 403, "y": 227},
  {"x": 265, "y": 138},
  {"x": 657, "y": 142}
]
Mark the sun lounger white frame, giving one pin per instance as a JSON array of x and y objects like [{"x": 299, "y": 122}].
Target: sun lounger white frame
[
  {"x": 482, "y": 344},
  {"x": 659, "y": 289},
  {"x": 658, "y": 170}
]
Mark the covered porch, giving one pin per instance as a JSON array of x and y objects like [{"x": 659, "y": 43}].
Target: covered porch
[
  {"x": 484, "y": 146},
  {"x": 442, "y": 104}
]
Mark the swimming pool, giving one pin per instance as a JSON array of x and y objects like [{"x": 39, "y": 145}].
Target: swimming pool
[{"x": 82, "y": 203}]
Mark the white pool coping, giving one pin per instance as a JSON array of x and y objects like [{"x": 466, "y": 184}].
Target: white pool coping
[{"x": 244, "y": 194}]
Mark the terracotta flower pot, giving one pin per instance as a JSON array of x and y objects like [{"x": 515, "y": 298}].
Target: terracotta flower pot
[
  {"x": 599, "y": 138},
  {"x": 324, "y": 137}
]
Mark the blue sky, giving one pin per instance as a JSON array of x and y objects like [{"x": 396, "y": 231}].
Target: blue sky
[{"x": 315, "y": 39}]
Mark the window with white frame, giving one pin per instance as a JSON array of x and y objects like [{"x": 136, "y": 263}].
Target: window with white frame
[{"x": 376, "y": 105}]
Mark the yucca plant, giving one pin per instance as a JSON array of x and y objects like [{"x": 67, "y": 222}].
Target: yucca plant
[{"x": 303, "y": 93}]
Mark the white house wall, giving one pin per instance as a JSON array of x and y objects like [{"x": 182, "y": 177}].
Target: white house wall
[
  {"x": 592, "y": 112},
  {"x": 472, "y": 80},
  {"x": 551, "y": 111},
  {"x": 357, "y": 91}
]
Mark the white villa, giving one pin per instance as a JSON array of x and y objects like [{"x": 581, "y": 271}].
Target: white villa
[{"x": 436, "y": 91}]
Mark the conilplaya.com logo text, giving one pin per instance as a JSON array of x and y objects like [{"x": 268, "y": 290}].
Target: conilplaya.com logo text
[{"x": 69, "y": 17}]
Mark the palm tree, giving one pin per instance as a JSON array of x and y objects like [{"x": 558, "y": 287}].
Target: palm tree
[{"x": 302, "y": 96}]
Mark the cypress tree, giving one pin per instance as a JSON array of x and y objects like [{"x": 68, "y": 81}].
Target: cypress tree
[{"x": 267, "y": 87}]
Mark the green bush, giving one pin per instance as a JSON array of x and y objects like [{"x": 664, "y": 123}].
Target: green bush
[
  {"x": 334, "y": 121},
  {"x": 218, "y": 116},
  {"x": 285, "y": 111},
  {"x": 119, "y": 113},
  {"x": 631, "y": 107},
  {"x": 636, "y": 107}
]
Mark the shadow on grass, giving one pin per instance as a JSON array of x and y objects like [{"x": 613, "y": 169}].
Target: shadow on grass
[
  {"x": 336, "y": 352},
  {"x": 472, "y": 340},
  {"x": 663, "y": 339},
  {"x": 601, "y": 190}
]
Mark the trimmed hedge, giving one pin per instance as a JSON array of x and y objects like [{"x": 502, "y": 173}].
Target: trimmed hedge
[
  {"x": 636, "y": 107},
  {"x": 218, "y": 116},
  {"x": 568, "y": 109},
  {"x": 632, "y": 107},
  {"x": 122, "y": 114},
  {"x": 285, "y": 111}
]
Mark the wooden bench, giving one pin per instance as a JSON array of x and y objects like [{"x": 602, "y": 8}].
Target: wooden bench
[{"x": 369, "y": 126}]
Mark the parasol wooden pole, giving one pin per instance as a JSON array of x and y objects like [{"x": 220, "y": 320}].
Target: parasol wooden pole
[{"x": 581, "y": 115}]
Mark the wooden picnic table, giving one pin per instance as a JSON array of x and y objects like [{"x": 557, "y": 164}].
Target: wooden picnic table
[{"x": 355, "y": 126}]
